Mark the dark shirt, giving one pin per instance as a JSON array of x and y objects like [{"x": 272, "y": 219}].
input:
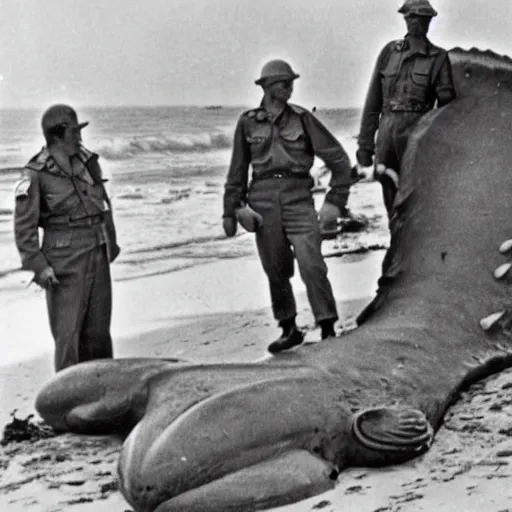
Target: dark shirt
[
  {"x": 288, "y": 143},
  {"x": 407, "y": 77}
]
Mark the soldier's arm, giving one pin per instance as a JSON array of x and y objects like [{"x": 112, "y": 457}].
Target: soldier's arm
[
  {"x": 235, "y": 188},
  {"x": 113, "y": 247},
  {"x": 372, "y": 109},
  {"x": 26, "y": 222},
  {"x": 110, "y": 227},
  {"x": 326, "y": 147},
  {"x": 445, "y": 90}
]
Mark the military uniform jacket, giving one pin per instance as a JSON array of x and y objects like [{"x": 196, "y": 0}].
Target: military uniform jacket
[
  {"x": 288, "y": 143},
  {"x": 73, "y": 210},
  {"x": 405, "y": 79}
]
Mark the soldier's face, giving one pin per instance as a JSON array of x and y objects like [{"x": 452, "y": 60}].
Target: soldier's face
[
  {"x": 281, "y": 90},
  {"x": 72, "y": 140},
  {"x": 417, "y": 26}
]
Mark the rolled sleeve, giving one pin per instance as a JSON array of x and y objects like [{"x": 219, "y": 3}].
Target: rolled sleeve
[
  {"x": 26, "y": 223},
  {"x": 326, "y": 147},
  {"x": 445, "y": 90},
  {"x": 235, "y": 188}
]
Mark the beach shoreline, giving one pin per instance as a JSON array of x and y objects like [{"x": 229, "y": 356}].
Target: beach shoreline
[{"x": 184, "y": 315}]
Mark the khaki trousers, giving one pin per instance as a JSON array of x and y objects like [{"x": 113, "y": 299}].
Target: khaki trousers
[{"x": 291, "y": 231}]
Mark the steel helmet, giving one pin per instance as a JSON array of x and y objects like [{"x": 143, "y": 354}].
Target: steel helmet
[
  {"x": 418, "y": 7},
  {"x": 60, "y": 115},
  {"x": 274, "y": 71}
]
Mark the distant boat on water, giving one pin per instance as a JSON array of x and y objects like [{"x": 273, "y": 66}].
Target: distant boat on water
[{"x": 213, "y": 107}]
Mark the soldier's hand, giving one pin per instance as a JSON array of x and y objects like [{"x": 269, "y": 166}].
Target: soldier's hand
[
  {"x": 114, "y": 253},
  {"x": 328, "y": 217},
  {"x": 364, "y": 158},
  {"x": 249, "y": 219},
  {"x": 229, "y": 225},
  {"x": 46, "y": 278},
  {"x": 358, "y": 173}
]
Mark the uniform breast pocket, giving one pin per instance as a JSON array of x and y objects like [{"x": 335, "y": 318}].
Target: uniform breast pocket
[
  {"x": 258, "y": 134},
  {"x": 55, "y": 199},
  {"x": 420, "y": 73},
  {"x": 256, "y": 139},
  {"x": 295, "y": 140},
  {"x": 387, "y": 79},
  {"x": 420, "y": 79},
  {"x": 51, "y": 200}
]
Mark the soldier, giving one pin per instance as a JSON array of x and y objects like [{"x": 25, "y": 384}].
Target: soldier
[
  {"x": 411, "y": 75},
  {"x": 279, "y": 140},
  {"x": 62, "y": 192}
]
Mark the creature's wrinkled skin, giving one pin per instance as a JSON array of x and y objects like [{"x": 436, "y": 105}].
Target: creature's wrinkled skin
[{"x": 252, "y": 436}]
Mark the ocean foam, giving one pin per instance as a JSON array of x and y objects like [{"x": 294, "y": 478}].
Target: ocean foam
[{"x": 123, "y": 148}]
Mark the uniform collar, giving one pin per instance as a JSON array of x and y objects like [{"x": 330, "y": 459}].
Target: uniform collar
[
  {"x": 422, "y": 47},
  {"x": 260, "y": 114},
  {"x": 44, "y": 160}
]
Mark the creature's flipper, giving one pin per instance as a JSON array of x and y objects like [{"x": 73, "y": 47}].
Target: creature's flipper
[
  {"x": 291, "y": 477},
  {"x": 98, "y": 394},
  {"x": 103, "y": 416},
  {"x": 391, "y": 434},
  {"x": 230, "y": 432}
]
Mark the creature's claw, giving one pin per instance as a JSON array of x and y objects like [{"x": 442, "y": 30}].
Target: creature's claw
[
  {"x": 506, "y": 246},
  {"x": 393, "y": 430},
  {"x": 488, "y": 322},
  {"x": 499, "y": 318},
  {"x": 502, "y": 270}
]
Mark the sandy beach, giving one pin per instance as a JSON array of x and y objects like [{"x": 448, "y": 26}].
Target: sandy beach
[{"x": 220, "y": 312}]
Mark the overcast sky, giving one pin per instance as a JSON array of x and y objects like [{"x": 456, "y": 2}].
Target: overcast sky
[{"x": 175, "y": 52}]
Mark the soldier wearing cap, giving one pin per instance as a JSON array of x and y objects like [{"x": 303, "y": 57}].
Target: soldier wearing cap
[
  {"x": 410, "y": 78},
  {"x": 279, "y": 141},
  {"x": 62, "y": 191}
]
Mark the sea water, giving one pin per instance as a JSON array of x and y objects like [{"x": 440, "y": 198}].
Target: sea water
[{"x": 166, "y": 168}]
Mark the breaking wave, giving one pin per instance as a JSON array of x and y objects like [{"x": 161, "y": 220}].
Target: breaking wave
[{"x": 122, "y": 148}]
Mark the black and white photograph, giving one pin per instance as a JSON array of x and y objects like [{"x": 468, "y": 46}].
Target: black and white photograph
[{"x": 255, "y": 255}]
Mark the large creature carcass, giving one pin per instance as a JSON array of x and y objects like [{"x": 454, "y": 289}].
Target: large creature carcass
[{"x": 251, "y": 436}]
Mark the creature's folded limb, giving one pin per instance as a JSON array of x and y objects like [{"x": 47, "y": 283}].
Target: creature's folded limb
[{"x": 285, "y": 479}]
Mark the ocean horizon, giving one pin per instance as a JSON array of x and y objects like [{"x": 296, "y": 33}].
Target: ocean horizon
[
  {"x": 241, "y": 106},
  {"x": 166, "y": 168}
]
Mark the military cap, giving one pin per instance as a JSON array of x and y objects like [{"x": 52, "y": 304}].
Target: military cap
[
  {"x": 418, "y": 7},
  {"x": 60, "y": 115},
  {"x": 274, "y": 71}
]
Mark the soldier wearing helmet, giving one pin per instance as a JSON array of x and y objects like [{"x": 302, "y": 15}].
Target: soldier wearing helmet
[
  {"x": 62, "y": 191},
  {"x": 411, "y": 77},
  {"x": 279, "y": 141}
]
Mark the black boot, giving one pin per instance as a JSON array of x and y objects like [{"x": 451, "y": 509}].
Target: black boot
[
  {"x": 290, "y": 338},
  {"x": 327, "y": 328}
]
